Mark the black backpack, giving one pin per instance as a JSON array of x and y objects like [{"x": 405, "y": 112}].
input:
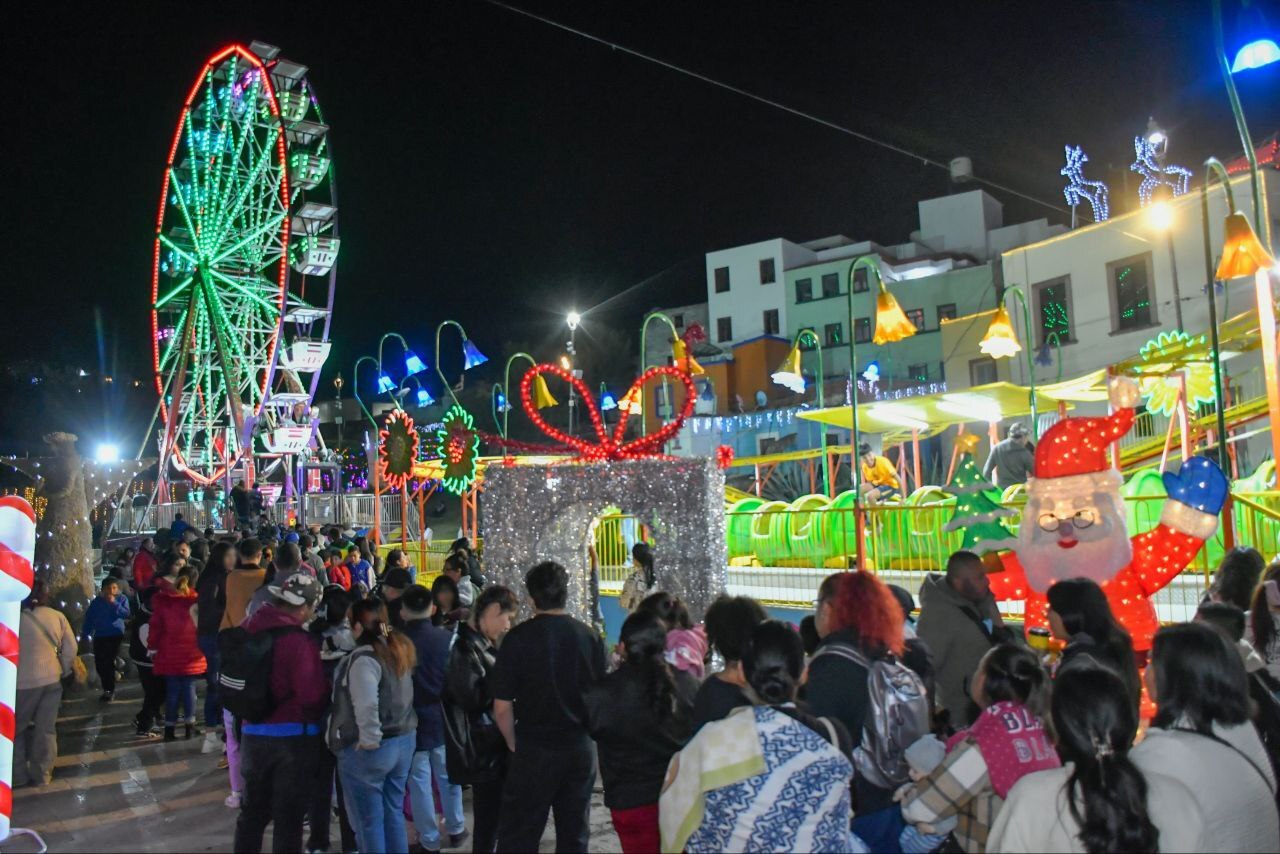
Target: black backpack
[{"x": 244, "y": 677}]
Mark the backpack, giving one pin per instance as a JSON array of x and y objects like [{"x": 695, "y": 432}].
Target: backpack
[
  {"x": 244, "y": 677},
  {"x": 897, "y": 715}
]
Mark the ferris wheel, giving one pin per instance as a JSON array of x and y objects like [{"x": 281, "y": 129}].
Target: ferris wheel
[{"x": 243, "y": 274}]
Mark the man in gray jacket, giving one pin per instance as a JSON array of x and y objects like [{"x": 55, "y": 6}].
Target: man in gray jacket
[
  {"x": 1013, "y": 459},
  {"x": 959, "y": 621}
]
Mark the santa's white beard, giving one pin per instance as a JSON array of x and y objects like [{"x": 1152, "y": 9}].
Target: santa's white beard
[{"x": 1101, "y": 550}]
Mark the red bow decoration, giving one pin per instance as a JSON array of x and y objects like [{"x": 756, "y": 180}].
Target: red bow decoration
[
  {"x": 724, "y": 456},
  {"x": 610, "y": 446}
]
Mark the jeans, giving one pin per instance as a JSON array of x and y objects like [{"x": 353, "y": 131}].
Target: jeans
[
  {"x": 212, "y": 705},
  {"x": 35, "y": 740},
  {"x": 104, "y": 660},
  {"x": 881, "y": 830},
  {"x": 373, "y": 782},
  {"x": 427, "y": 764},
  {"x": 321, "y": 809},
  {"x": 179, "y": 691},
  {"x": 278, "y": 776},
  {"x": 547, "y": 779},
  {"x": 233, "y": 752}
]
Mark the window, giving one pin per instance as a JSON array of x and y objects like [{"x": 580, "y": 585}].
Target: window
[
  {"x": 860, "y": 280},
  {"x": 916, "y": 316},
  {"x": 677, "y": 320},
  {"x": 918, "y": 373},
  {"x": 767, "y": 273},
  {"x": 724, "y": 328},
  {"x": 862, "y": 330},
  {"x": 830, "y": 285},
  {"x": 833, "y": 334},
  {"x": 982, "y": 371},
  {"x": 722, "y": 280},
  {"x": 946, "y": 311},
  {"x": 804, "y": 290},
  {"x": 1131, "y": 305},
  {"x": 1053, "y": 310},
  {"x": 771, "y": 325}
]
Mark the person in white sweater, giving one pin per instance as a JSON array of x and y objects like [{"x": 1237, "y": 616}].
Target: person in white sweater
[
  {"x": 1201, "y": 733},
  {"x": 47, "y": 651},
  {"x": 1098, "y": 800}
]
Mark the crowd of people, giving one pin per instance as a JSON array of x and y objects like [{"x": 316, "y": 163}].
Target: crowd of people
[{"x": 336, "y": 682}]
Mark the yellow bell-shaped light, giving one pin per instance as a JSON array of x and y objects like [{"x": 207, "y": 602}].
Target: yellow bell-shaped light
[
  {"x": 1001, "y": 341},
  {"x": 891, "y": 323},
  {"x": 630, "y": 403},
  {"x": 1242, "y": 252},
  {"x": 541, "y": 394},
  {"x": 788, "y": 375},
  {"x": 683, "y": 360}
]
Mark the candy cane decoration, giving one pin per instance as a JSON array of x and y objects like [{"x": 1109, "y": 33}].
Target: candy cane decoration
[{"x": 17, "y": 551}]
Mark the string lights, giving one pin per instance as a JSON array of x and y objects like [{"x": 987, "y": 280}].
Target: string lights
[
  {"x": 458, "y": 446},
  {"x": 1078, "y": 187},
  {"x": 397, "y": 449},
  {"x": 1146, "y": 163}
]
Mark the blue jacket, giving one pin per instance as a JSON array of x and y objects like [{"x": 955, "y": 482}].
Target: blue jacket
[
  {"x": 103, "y": 619},
  {"x": 432, "y": 645}
]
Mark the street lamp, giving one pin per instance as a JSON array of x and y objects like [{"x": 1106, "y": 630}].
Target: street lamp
[
  {"x": 355, "y": 387},
  {"x": 891, "y": 325},
  {"x": 644, "y": 355},
  {"x": 1001, "y": 342},
  {"x": 790, "y": 376},
  {"x": 1161, "y": 215},
  {"x": 572, "y": 319},
  {"x": 471, "y": 355}
]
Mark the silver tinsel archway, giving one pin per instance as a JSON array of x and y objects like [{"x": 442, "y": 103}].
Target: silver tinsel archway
[{"x": 537, "y": 513}]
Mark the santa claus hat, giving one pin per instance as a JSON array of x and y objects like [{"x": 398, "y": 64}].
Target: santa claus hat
[{"x": 1078, "y": 446}]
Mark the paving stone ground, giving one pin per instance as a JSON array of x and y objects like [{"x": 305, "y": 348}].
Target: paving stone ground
[{"x": 113, "y": 791}]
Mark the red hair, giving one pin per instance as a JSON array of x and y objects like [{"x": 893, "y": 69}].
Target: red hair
[{"x": 862, "y": 603}]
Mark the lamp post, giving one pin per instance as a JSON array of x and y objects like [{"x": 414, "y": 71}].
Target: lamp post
[
  {"x": 1236, "y": 111},
  {"x": 355, "y": 387},
  {"x": 1001, "y": 342},
  {"x": 1214, "y": 168},
  {"x": 790, "y": 375},
  {"x": 644, "y": 355},
  {"x": 506, "y": 386},
  {"x": 1161, "y": 214},
  {"x": 471, "y": 355},
  {"x": 572, "y": 320},
  {"x": 498, "y": 405},
  {"x": 891, "y": 325},
  {"x": 337, "y": 397}
]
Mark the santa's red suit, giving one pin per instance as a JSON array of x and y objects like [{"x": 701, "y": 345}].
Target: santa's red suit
[{"x": 1074, "y": 523}]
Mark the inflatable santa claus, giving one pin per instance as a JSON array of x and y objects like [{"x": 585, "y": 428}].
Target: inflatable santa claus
[{"x": 1073, "y": 525}]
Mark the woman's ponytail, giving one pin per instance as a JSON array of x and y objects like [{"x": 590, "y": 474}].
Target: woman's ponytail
[{"x": 644, "y": 637}]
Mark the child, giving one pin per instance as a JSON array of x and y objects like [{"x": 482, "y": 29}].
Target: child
[
  {"x": 686, "y": 643},
  {"x": 925, "y": 754},
  {"x": 104, "y": 625},
  {"x": 152, "y": 685}
]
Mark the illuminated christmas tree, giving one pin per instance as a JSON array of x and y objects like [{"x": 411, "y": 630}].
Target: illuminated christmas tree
[{"x": 978, "y": 509}]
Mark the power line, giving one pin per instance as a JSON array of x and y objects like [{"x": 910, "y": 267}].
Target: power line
[{"x": 880, "y": 143}]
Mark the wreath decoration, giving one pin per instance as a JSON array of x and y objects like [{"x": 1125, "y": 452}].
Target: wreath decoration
[
  {"x": 397, "y": 449},
  {"x": 458, "y": 447}
]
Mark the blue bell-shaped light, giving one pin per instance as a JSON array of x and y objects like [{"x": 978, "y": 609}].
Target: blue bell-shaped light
[
  {"x": 385, "y": 384},
  {"x": 607, "y": 401},
  {"x": 503, "y": 406},
  {"x": 472, "y": 356},
  {"x": 412, "y": 364},
  {"x": 1044, "y": 358},
  {"x": 425, "y": 398}
]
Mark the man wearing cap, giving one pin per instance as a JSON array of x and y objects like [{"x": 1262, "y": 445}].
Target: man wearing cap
[
  {"x": 394, "y": 582},
  {"x": 279, "y": 755},
  {"x": 1013, "y": 459}
]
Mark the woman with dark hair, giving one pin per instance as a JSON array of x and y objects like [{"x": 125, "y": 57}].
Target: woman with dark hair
[
  {"x": 175, "y": 651},
  {"x": 1006, "y": 742},
  {"x": 1080, "y": 615},
  {"x": 1202, "y": 734},
  {"x": 729, "y": 622},
  {"x": 686, "y": 643},
  {"x": 1237, "y": 577},
  {"x": 860, "y": 623},
  {"x": 1099, "y": 800},
  {"x": 448, "y": 613},
  {"x": 399, "y": 558},
  {"x": 642, "y": 579},
  {"x": 779, "y": 777},
  {"x": 1264, "y": 619},
  {"x": 372, "y": 727},
  {"x": 639, "y": 715}
]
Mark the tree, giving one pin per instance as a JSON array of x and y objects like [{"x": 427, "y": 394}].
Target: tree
[{"x": 978, "y": 510}]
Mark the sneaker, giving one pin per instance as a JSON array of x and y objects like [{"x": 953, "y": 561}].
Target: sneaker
[
  {"x": 211, "y": 743},
  {"x": 456, "y": 839},
  {"x": 106, "y": 696},
  {"x": 223, "y": 763},
  {"x": 233, "y": 801}
]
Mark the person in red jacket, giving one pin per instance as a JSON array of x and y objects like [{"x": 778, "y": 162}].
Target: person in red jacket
[
  {"x": 175, "y": 652},
  {"x": 144, "y": 564},
  {"x": 280, "y": 756},
  {"x": 337, "y": 571}
]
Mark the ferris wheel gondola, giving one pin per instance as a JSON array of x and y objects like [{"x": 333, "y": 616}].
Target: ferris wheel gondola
[{"x": 244, "y": 266}]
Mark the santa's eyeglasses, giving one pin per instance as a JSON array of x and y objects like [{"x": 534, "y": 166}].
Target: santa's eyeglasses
[{"x": 1082, "y": 519}]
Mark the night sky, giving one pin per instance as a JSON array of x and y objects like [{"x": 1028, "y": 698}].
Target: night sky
[{"x": 498, "y": 171}]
